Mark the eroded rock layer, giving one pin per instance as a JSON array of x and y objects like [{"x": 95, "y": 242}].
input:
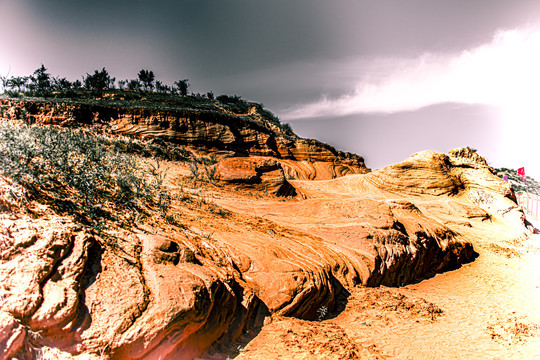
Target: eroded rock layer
[
  {"x": 266, "y": 173},
  {"x": 172, "y": 295},
  {"x": 178, "y": 289}
]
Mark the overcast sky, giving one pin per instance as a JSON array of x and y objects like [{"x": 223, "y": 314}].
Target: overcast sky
[{"x": 381, "y": 78}]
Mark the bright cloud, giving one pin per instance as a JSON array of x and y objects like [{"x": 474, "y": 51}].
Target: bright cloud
[{"x": 504, "y": 73}]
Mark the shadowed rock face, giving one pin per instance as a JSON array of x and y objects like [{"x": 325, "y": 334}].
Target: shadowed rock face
[{"x": 166, "y": 291}]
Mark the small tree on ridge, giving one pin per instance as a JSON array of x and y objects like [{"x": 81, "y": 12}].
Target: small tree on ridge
[
  {"x": 147, "y": 79},
  {"x": 182, "y": 86},
  {"x": 40, "y": 79},
  {"x": 98, "y": 81}
]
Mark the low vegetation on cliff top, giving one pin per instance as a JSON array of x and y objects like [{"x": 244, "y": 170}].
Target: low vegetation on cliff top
[
  {"x": 528, "y": 184},
  {"x": 143, "y": 92}
]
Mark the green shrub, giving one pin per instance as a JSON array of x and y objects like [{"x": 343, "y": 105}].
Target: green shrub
[
  {"x": 79, "y": 173},
  {"x": 234, "y": 103},
  {"x": 203, "y": 169}
]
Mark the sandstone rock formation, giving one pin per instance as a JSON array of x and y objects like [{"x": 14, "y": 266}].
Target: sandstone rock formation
[
  {"x": 266, "y": 172},
  {"x": 166, "y": 291},
  {"x": 199, "y": 280}
]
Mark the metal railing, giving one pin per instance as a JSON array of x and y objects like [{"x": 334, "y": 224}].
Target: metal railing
[{"x": 530, "y": 204}]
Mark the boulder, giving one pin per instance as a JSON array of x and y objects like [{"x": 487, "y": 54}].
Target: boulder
[
  {"x": 12, "y": 336},
  {"x": 259, "y": 172}
]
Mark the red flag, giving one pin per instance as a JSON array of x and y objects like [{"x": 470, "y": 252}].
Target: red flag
[{"x": 521, "y": 173}]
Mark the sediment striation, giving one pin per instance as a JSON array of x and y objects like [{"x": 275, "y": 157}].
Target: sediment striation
[{"x": 265, "y": 240}]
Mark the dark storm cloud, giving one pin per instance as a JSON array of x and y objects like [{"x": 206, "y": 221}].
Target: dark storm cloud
[
  {"x": 212, "y": 37},
  {"x": 401, "y": 28},
  {"x": 279, "y": 52}
]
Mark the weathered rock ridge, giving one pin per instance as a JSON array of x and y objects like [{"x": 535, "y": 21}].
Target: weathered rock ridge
[
  {"x": 233, "y": 134},
  {"x": 266, "y": 172}
]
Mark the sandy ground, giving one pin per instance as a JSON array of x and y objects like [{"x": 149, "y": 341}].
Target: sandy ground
[{"x": 488, "y": 309}]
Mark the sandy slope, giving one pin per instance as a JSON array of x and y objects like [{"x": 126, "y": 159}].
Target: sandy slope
[{"x": 485, "y": 309}]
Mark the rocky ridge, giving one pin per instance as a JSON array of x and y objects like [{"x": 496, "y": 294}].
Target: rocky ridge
[{"x": 234, "y": 255}]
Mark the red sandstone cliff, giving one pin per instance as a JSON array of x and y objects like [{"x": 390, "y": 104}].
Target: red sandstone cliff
[{"x": 217, "y": 131}]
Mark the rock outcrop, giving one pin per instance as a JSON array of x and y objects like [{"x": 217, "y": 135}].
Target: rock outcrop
[
  {"x": 176, "y": 288},
  {"x": 255, "y": 171},
  {"x": 173, "y": 294},
  {"x": 211, "y": 130}
]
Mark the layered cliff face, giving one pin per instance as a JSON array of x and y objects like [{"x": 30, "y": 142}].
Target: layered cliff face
[
  {"x": 230, "y": 253},
  {"x": 211, "y": 130}
]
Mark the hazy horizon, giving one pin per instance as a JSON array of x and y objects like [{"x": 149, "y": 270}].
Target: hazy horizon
[{"x": 382, "y": 79}]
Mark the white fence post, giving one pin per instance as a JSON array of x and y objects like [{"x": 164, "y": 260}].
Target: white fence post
[{"x": 529, "y": 204}]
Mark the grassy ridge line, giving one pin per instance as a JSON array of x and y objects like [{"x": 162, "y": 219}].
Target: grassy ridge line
[{"x": 223, "y": 106}]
